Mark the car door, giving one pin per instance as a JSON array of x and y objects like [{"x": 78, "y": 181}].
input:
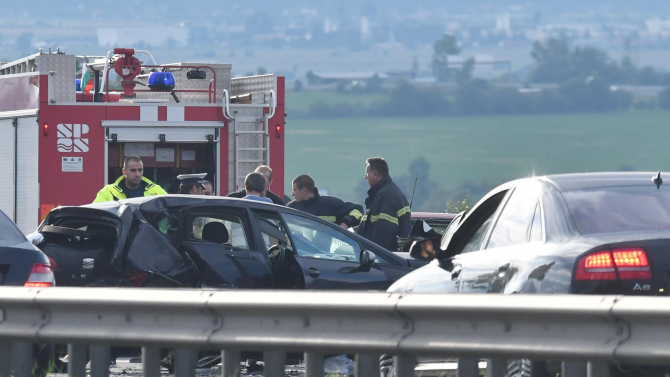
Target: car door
[
  {"x": 218, "y": 240},
  {"x": 459, "y": 255},
  {"x": 271, "y": 233},
  {"x": 330, "y": 258},
  {"x": 539, "y": 266},
  {"x": 489, "y": 268}
]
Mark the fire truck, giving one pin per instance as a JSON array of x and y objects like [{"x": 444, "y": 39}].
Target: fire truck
[{"x": 68, "y": 121}]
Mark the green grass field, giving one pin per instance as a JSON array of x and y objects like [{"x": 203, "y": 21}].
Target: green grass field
[{"x": 462, "y": 150}]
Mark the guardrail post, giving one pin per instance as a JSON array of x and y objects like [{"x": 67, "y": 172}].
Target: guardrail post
[
  {"x": 5, "y": 359},
  {"x": 366, "y": 365},
  {"x": 598, "y": 369},
  {"x": 574, "y": 369},
  {"x": 151, "y": 358},
  {"x": 101, "y": 357},
  {"x": 185, "y": 361},
  {"x": 313, "y": 364},
  {"x": 22, "y": 358},
  {"x": 496, "y": 367},
  {"x": 468, "y": 367},
  {"x": 275, "y": 363},
  {"x": 230, "y": 363},
  {"x": 404, "y": 365},
  {"x": 76, "y": 365}
]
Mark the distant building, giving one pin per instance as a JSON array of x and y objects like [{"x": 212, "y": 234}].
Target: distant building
[
  {"x": 656, "y": 26},
  {"x": 503, "y": 24},
  {"x": 347, "y": 77}
]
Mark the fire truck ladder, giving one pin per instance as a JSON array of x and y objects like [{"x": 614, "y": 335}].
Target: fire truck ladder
[{"x": 252, "y": 135}]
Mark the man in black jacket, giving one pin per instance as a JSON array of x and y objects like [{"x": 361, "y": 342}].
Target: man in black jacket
[
  {"x": 329, "y": 208},
  {"x": 267, "y": 173},
  {"x": 387, "y": 213}
]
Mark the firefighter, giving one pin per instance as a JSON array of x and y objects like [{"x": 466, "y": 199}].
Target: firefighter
[
  {"x": 329, "y": 208},
  {"x": 132, "y": 184},
  {"x": 267, "y": 174},
  {"x": 387, "y": 213},
  {"x": 191, "y": 184}
]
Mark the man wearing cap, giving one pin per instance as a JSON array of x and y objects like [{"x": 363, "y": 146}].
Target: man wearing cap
[
  {"x": 191, "y": 184},
  {"x": 132, "y": 184},
  {"x": 266, "y": 172},
  {"x": 423, "y": 237}
]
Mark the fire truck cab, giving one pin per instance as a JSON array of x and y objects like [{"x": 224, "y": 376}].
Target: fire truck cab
[{"x": 67, "y": 122}]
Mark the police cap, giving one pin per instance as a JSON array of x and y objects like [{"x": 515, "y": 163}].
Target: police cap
[{"x": 192, "y": 179}]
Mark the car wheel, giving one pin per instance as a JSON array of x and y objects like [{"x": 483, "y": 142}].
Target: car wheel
[
  {"x": 209, "y": 361},
  {"x": 528, "y": 368},
  {"x": 519, "y": 368},
  {"x": 386, "y": 368}
]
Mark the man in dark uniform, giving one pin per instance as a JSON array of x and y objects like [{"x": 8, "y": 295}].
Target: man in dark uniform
[
  {"x": 329, "y": 208},
  {"x": 387, "y": 213},
  {"x": 267, "y": 173},
  {"x": 191, "y": 184}
]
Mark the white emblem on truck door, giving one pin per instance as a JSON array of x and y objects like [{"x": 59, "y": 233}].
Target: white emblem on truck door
[{"x": 70, "y": 138}]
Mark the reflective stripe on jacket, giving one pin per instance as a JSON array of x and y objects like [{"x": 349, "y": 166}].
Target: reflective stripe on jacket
[
  {"x": 115, "y": 192},
  {"x": 330, "y": 208},
  {"x": 387, "y": 215}
]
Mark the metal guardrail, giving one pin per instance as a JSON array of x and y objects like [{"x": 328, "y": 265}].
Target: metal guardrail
[{"x": 580, "y": 329}]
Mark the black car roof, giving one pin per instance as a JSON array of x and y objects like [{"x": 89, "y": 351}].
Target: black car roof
[{"x": 584, "y": 181}]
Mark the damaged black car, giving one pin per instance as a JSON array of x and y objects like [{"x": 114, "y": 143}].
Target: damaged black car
[{"x": 210, "y": 242}]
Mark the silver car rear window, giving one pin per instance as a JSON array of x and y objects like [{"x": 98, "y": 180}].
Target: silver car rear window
[{"x": 620, "y": 209}]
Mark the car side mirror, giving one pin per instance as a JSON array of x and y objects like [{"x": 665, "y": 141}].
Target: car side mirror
[{"x": 367, "y": 258}]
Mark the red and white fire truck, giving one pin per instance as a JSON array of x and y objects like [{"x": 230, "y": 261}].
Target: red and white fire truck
[{"x": 63, "y": 136}]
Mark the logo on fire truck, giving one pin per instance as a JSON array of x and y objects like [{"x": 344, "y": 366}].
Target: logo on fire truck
[{"x": 70, "y": 138}]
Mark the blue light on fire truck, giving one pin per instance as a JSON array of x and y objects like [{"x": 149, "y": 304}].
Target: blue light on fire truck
[
  {"x": 78, "y": 85},
  {"x": 161, "y": 81}
]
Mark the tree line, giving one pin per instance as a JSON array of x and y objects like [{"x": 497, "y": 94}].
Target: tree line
[{"x": 580, "y": 79}]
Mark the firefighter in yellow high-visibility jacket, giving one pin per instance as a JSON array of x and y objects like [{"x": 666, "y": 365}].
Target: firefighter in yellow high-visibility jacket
[{"x": 132, "y": 184}]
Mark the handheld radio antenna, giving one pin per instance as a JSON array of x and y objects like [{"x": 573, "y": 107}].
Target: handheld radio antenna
[{"x": 413, "y": 190}]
